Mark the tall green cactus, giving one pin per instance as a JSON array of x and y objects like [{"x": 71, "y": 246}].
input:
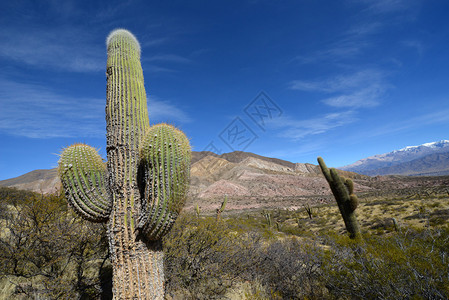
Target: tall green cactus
[
  {"x": 347, "y": 201},
  {"x": 143, "y": 186}
]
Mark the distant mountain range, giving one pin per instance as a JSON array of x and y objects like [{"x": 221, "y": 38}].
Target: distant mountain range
[
  {"x": 252, "y": 181},
  {"x": 249, "y": 174},
  {"x": 428, "y": 159}
]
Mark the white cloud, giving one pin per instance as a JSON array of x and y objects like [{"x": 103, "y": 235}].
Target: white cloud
[
  {"x": 334, "y": 53},
  {"x": 401, "y": 125},
  {"x": 297, "y": 129},
  {"x": 346, "y": 46},
  {"x": 365, "y": 97},
  {"x": 165, "y": 111},
  {"x": 416, "y": 45},
  {"x": 360, "y": 89},
  {"x": 169, "y": 58},
  {"x": 34, "y": 111},
  {"x": 61, "y": 49},
  {"x": 339, "y": 83},
  {"x": 386, "y": 6}
]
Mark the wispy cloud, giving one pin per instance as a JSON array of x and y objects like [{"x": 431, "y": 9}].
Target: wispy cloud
[
  {"x": 61, "y": 48},
  {"x": 297, "y": 129},
  {"x": 298, "y": 151},
  {"x": 338, "y": 83},
  {"x": 34, "y": 111},
  {"x": 169, "y": 58},
  {"x": 336, "y": 52},
  {"x": 165, "y": 111},
  {"x": 364, "y": 97},
  {"x": 163, "y": 63},
  {"x": 386, "y": 6},
  {"x": 360, "y": 89},
  {"x": 349, "y": 44},
  {"x": 416, "y": 45},
  {"x": 411, "y": 123},
  {"x": 375, "y": 17}
]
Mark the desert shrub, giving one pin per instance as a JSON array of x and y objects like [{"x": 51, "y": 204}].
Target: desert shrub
[
  {"x": 200, "y": 257},
  {"x": 289, "y": 269},
  {"x": 409, "y": 264},
  {"x": 205, "y": 259},
  {"x": 47, "y": 252}
]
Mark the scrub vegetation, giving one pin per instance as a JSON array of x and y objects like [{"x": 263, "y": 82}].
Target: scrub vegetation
[{"x": 48, "y": 252}]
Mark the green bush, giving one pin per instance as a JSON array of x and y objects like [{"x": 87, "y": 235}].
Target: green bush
[{"x": 412, "y": 263}]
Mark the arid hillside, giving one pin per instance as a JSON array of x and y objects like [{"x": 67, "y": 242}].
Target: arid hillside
[{"x": 251, "y": 181}]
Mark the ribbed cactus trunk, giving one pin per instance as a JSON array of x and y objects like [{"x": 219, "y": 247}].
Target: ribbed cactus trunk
[
  {"x": 144, "y": 185},
  {"x": 347, "y": 201},
  {"x": 137, "y": 266}
]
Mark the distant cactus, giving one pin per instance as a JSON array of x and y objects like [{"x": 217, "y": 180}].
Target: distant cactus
[
  {"x": 222, "y": 207},
  {"x": 267, "y": 217},
  {"x": 143, "y": 187},
  {"x": 395, "y": 224},
  {"x": 309, "y": 210},
  {"x": 197, "y": 210},
  {"x": 347, "y": 201},
  {"x": 278, "y": 226}
]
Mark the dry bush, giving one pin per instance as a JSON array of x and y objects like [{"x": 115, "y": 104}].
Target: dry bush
[{"x": 47, "y": 252}]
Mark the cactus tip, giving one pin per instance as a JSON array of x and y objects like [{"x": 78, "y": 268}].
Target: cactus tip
[{"x": 123, "y": 33}]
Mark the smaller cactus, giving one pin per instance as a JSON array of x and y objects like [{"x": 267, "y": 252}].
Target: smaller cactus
[
  {"x": 395, "y": 224},
  {"x": 222, "y": 207},
  {"x": 309, "y": 210},
  {"x": 278, "y": 226},
  {"x": 197, "y": 210},
  {"x": 347, "y": 201},
  {"x": 267, "y": 216}
]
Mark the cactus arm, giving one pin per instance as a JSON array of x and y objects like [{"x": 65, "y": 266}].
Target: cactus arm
[
  {"x": 349, "y": 185},
  {"x": 83, "y": 177},
  {"x": 165, "y": 160}
]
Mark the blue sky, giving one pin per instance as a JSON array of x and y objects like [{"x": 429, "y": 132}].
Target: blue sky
[{"x": 286, "y": 79}]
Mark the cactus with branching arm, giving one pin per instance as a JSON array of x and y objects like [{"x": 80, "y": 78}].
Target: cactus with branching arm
[
  {"x": 141, "y": 189},
  {"x": 347, "y": 201}
]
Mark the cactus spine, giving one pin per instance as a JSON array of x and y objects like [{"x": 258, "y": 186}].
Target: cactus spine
[
  {"x": 347, "y": 201},
  {"x": 141, "y": 190}
]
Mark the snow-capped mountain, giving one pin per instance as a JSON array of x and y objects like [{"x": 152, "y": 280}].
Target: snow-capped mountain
[{"x": 411, "y": 160}]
